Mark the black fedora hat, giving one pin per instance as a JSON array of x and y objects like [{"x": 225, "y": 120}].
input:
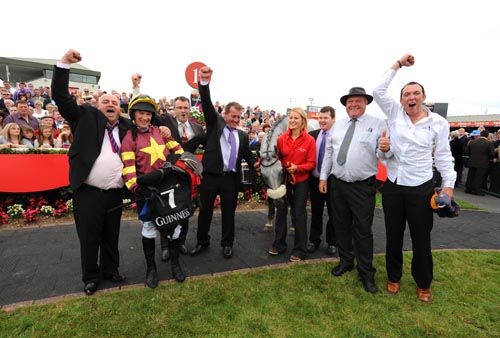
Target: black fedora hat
[{"x": 356, "y": 91}]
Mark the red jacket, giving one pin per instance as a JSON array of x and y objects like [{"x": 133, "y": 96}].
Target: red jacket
[{"x": 301, "y": 152}]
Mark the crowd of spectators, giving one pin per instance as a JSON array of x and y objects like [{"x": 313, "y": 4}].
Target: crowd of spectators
[{"x": 29, "y": 118}]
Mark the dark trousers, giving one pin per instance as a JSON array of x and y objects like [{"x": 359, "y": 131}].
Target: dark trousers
[
  {"x": 318, "y": 201},
  {"x": 475, "y": 178},
  {"x": 296, "y": 195},
  {"x": 226, "y": 186},
  {"x": 271, "y": 209},
  {"x": 353, "y": 205},
  {"x": 98, "y": 231},
  {"x": 495, "y": 178},
  {"x": 412, "y": 204},
  {"x": 459, "y": 168}
]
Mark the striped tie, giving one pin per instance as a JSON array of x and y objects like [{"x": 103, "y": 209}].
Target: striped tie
[{"x": 114, "y": 145}]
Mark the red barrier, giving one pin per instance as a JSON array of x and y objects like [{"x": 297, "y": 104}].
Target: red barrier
[{"x": 31, "y": 173}]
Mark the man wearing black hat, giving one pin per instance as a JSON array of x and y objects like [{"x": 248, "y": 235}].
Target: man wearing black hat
[
  {"x": 419, "y": 140},
  {"x": 351, "y": 161},
  {"x": 95, "y": 175}
]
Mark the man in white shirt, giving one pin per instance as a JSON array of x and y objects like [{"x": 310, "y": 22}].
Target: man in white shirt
[
  {"x": 351, "y": 160},
  {"x": 418, "y": 138}
]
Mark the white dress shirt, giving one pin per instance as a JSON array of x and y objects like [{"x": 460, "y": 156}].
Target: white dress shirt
[
  {"x": 361, "y": 161},
  {"x": 189, "y": 129},
  {"x": 412, "y": 145}
]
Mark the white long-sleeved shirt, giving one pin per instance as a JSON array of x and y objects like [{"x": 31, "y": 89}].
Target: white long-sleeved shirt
[
  {"x": 413, "y": 145},
  {"x": 361, "y": 161}
]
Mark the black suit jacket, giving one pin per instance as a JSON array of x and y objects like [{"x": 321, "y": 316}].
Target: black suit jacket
[
  {"x": 192, "y": 144},
  {"x": 480, "y": 153},
  {"x": 213, "y": 162},
  {"x": 88, "y": 126}
]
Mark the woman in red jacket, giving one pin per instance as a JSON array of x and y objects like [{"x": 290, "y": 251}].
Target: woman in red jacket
[{"x": 297, "y": 153}]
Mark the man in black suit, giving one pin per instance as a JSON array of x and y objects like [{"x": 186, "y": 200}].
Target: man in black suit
[
  {"x": 225, "y": 147},
  {"x": 326, "y": 118},
  {"x": 457, "y": 146},
  {"x": 480, "y": 153},
  {"x": 190, "y": 135},
  {"x": 95, "y": 175}
]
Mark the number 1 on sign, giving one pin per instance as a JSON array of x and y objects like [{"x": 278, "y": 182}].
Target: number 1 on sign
[
  {"x": 195, "y": 79},
  {"x": 171, "y": 200}
]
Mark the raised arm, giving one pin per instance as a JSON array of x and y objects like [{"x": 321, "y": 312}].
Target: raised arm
[
  {"x": 388, "y": 105},
  {"x": 206, "y": 102},
  {"x": 59, "y": 87}
]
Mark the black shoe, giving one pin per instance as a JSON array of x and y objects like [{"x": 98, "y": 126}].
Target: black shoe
[
  {"x": 165, "y": 255},
  {"x": 340, "y": 269},
  {"x": 116, "y": 278},
  {"x": 369, "y": 285},
  {"x": 90, "y": 288},
  {"x": 199, "y": 248},
  {"x": 152, "y": 278},
  {"x": 178, "y": 274},
  {"x": 331, "y": 250},
  {"x": 183, "y": 249},
  {"x": 312, "y": 247},
  {"x": 227, "y": 252}
]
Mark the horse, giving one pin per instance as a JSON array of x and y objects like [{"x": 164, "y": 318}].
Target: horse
[{"x": 270, "y": 165}]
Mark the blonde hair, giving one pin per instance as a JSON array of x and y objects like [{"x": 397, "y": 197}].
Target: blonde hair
[
  {"x": 41, "y": 137},
  {"x": 6, "y": 130},
  {"x": 302, "y": 114}
]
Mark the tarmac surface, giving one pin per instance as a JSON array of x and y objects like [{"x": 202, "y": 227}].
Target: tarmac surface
[{"x": 38, "y": 263}]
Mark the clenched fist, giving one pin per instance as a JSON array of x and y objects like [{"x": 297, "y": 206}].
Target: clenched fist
[
  {"x": 205, "y": 74},
  {"x": 407, "y": 60},
  {"x": 136, "y": 80},
  {"x": 71, "y": 56}
]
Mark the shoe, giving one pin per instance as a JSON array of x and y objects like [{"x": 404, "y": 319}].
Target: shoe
[
  {"x": 178, "y": 274},
  {"x": 294, "y": 259},
  {"x": 424, "y": 295},
  {"x": 340, "y": 269},
  {"x": 331, "y": 250},
  {"x": 275, "y": 252},
  {"x": 165, "y": 255},
  {"x": 198, "y": 248},
  {"x": 227, "y": 252},
  {"x": 152, "y": 278},
  {"x": 183, "y": 249},
  {"x": 312, "y": 247},
  {"x": 116, "y": 278},
  {"x": 90, "y": 288},
  {"x": 393, "y": 287},
  {"x": 369, "y": 285},
  {"x": 269, "y": 224}
]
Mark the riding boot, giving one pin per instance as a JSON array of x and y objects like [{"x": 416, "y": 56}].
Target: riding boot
[
  {"x": 148, "y": 245},
  {"x": 174, "y": 261},
  {"x": 165, "y": 254}
]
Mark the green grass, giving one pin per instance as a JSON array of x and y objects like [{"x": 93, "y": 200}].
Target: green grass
[
  {"x": 294, "y": 301},
  {"x": 461, "y": 203}
]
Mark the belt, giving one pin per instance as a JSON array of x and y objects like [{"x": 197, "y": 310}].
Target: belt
[
  {"x": 370, "y": 179},
  {"x": 91, "y": 187},
  {"x": 228, "y": 173}
]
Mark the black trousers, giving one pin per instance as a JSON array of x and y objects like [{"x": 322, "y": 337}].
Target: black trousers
[
  {"x": 475, "y": 178},
  {"x": 412, "y": 204},
  {"x": 495, "y": 178},
  {"x": 318, "y": 201},
  {"x": 296, "y": 195},
  {"x": 459, "y": 168},
  {"x": 353, "y": 205},
  {"x": 226, "y": 186},
  {"x": 98, "y": 231}
]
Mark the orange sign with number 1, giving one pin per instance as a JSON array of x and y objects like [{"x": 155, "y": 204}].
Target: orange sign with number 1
[{"x": 193, "y": 74}]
